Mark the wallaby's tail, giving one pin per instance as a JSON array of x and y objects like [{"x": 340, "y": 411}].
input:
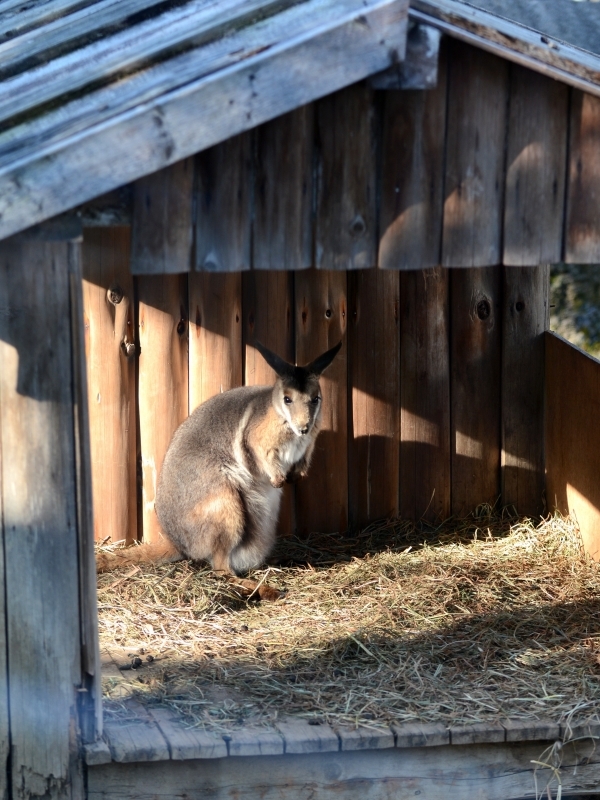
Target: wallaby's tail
[{"x": 160, "y": 552}]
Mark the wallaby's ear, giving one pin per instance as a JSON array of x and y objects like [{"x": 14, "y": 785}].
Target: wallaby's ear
[
  {"x": 321, "y": 362},
  {"x": 281, "y": 367}
]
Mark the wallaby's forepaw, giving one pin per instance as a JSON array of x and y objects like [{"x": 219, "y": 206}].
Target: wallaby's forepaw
[{"x": 278, "y": 481}]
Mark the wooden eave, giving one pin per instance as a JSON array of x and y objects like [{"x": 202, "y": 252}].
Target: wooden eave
[
  {"x": 84, "y": 121},
  {"x": 512, "y": 41}
]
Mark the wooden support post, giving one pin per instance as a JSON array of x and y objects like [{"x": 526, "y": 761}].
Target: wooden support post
[
  {"x": 111, "y": 351},
  {"x": 474, "y": 182},
  {"x": 524, "y": 320},
  {"x": 162, "y": 379},
  {"x": 475, "y": 341},
  {"x": 40, "y": 573},
  {"x": 374, "y": 382},
  {"x": 321, "y": 319},
  {"x": 425, "y": 394},
  {"x": 414, "y": 134}
]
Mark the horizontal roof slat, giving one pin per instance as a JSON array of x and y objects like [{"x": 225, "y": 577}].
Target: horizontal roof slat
[{"x": 14, "y": 19}]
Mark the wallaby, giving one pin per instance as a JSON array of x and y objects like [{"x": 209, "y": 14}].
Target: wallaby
[{"x": 219, "y": 489}]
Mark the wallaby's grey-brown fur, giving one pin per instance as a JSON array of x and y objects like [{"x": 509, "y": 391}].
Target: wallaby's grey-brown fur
[{"x": 219, "y": 489}]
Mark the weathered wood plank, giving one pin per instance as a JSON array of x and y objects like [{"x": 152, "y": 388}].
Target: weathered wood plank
[
  {"x": 108, "y": 305},
  {"x": 4, "y": 711},
  {"x": 421, "y": 734},
  {"x": 477, "y": 733},
  {"x": 582, "y": 235},
  {"x": 321, "y": 320},
  {"x": 302, "y": 737},
  {"x": 183, "y": 742},
  {"x": 162, "y": 225},
  {"x": 97, "y": 752},
  {"x": 463, "y": 772},
  {"x": 255, "y": 742},
  {"x": 475, "y": 339},
  {"x": 362, "y": 738},
  {"x": 474, "y": 180},
  {"x": 425, "y": 395},
  {"x": 535, "y": 178},
  {"x": 414, "y": 126},
  {"x": 374, "y": 383},
  {"x": 224, "y": 212},
  {"x": 162, "y": 379},
  {"x": 15, "y": 19},
  {"x": 39, "y": 517},
  {"x": 346, "y": 201},
  {"x": 268, "y": 301},
  {"x": 215, "y": 340},
  {"x": 136, "y": 740},
  {"x": 282, "y": 232},
  {"x": 525, "y": 730},
  {"x": 419, "y": 70},
  {"x": 525, "y": 317},
  {"x": 572, "y": 443},
  {"x": 263, "y": 82}
]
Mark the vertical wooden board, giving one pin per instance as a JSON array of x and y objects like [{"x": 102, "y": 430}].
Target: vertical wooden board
[
  {"x": 162, "y": 379},
  {"x": 321, "y": 319},
  {"x": 536, "y": 164},
  {"x": 425, "y": 394},
  {"x": 346, "y": 202},
  {"x": 474, "y": 179},
  {"x": 374, "y": 383},
  {"x": 108, "y": 305},
  {"x": 215, "y": 307},
  {"x": 4, "y": 713},
  {"x": 524, "y": 320},
  {"x": 223, "y": 206},
  {"x": 475, "y": 346},
  {"x": 268, "y": 302},
  {"x": 40, "y": 516},
  {"x": 573, "y": 437},
  {"x": 282, "y": 233},
  {"x": 582, "y": 235},
  {"x": 162, "y": 225},
  {"x": 412, "y": 163}
]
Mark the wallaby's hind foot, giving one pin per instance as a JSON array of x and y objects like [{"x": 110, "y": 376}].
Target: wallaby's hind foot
[
  {"x": 248, "y": 589},
  {"x": 161, "y": 552}
]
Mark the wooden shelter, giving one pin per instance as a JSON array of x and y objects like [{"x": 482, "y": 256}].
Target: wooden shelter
[{"x": 186, "y": 177}]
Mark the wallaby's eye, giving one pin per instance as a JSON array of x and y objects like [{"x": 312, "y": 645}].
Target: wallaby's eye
[
  {"x": 315, "y": 400},
  {"x": 287, "y": 399}
]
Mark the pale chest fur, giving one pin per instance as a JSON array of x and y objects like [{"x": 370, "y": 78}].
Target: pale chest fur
[{"x": 293, "y": 450}]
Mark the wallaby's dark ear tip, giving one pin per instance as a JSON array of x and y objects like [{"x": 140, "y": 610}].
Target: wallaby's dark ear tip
[
  {"x": 321, "y": 363},
  {"x": 277, "y": 364}
]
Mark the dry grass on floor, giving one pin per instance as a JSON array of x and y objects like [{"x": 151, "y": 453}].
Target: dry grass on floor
[{"x": 476, "y": 620}]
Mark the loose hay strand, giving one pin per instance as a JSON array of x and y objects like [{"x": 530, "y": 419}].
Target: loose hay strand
[{"x": 473, "y": 620}]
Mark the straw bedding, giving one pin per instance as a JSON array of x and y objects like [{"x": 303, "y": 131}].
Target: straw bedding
[{"x": 474, "y": 620}]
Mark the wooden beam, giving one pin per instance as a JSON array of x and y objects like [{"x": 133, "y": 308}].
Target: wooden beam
[
  {"x": 147, "y": 129},
  {"x": 419, "y": 70}
]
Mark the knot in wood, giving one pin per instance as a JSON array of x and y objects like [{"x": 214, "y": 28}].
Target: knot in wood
[
  {"x": 358, "y": 226},
  {"x": 114, "y": 294},
  {"x": 181, "y": 327},
  {"x": 484, "y": 309},
  {"x": 519, "y": 305},
  {"x": 128, "y": 348}
]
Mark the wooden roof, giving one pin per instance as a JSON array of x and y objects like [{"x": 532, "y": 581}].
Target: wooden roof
[{"x": 95, "y": 94}]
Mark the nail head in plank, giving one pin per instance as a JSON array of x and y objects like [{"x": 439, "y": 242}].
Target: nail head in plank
[
  {"x": 527, "y": 730},
  {"x": 135, "y": 740},
  {"x": 301, "y": 737},
  {"x": 535, "y": 178},
  {"x": 363, "y": 738},
  {"x": 474, "y": 181},
  {"x": 414, "y": 734},
  {"x": 184, "y": 742},
  {"x": 477, "y": 733},
  {"x": 97, "y": 753},
  {"x": 255, "y": 742}
]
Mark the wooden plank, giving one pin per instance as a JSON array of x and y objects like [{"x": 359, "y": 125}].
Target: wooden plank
[
  {"x": 97, "y": 752},
  {"x": 416, "y": 734},
  {"x": 581, "y": 730},
  {"x": 162, "y": 379},
  {"x": 525, "y": 318},
  {"x": 425, "y": 395},
  {"x": 4, "y": 708},
  {"x": 582, "y": 236},
  {"x": 223, "y": 220},
  {"x": 474, "y": 180},
  {"x": 162, "y": 225},
  {"x": 108, "y": 306},
  {"x": 15, "y": 19},
  {"x": 302, "y": 737},
  {"x": 463, "y": 772},
  {"x": 185, "y": 742},
  {"x": 321, "y": 319},
  {"x": 268, "y": 302},
  {"x": 255, "y": 742},
  {"x": 374, "y": 382},
  {"x": 475, "y": 367},
  {"x": 572, "y": 443},
  {"x": 215, "y": 340},
  {"x": 477, "y": 733},
  {"x": 282, "y": 232},
  {"x": 419, "y": 70},
  {"x": 525, "y": 730},
  {"x": 346, "y": 196},
  {"x": 363, "y": 738},
  {"x": 146, "y": 130},
  {"x": 39, "y": 518},
  {"x": 412, "y": 161},
  {"x": 535, "y": 178},
  {"x": 138, "y": 739}
]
